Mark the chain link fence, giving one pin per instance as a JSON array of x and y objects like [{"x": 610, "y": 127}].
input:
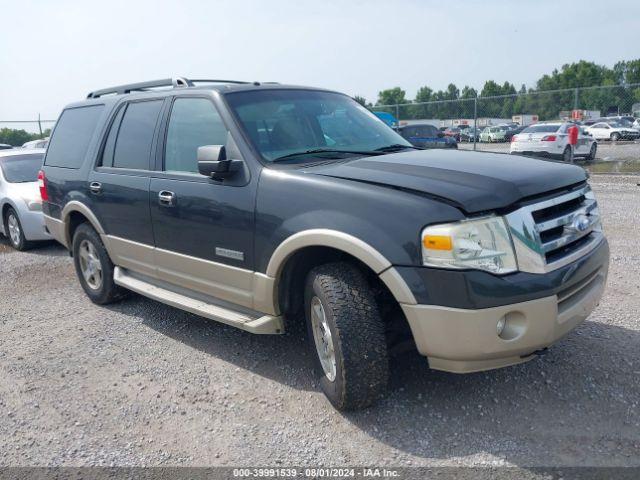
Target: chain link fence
[
  {"x": 489, "y": 123},
  {"x": 18, "y": 132}
]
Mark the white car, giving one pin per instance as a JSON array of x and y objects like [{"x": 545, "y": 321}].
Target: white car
[
  {"x": 613, "y": 131},
  {"x": 42, "y": 143},
  {"x": 552, "y": 140},
  {"x": 21, "y": 218}
]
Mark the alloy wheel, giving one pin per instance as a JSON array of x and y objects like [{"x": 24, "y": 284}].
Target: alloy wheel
[
  {"x": 90, "y": 265},
  {"x": 323, "y": 339},
  {"x": 14, "y": 229}
]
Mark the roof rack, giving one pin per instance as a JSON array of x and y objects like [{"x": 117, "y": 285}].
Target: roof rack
[{"x": 178, "y": 82}]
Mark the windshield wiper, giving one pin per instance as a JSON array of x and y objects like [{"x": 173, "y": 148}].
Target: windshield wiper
[
  {"x": 395, "y": 147},
  {"x": 325, "y": 150}
]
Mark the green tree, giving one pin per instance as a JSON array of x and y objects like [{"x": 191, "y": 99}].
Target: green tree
[
  {"x": 361, "y": 100},
  {"x": 16, "y": 137},
  {"x": 392, "y": 96}
]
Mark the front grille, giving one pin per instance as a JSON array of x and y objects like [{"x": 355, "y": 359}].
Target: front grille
[
  {"x": 564, "y": 227},
  {"x": 556, "y": 231}
]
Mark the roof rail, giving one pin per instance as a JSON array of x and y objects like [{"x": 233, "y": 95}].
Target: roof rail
[{"x": 177, "y": 82}]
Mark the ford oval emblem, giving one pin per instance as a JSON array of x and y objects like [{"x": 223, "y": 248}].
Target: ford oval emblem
[{"x": 581, "y": 223}]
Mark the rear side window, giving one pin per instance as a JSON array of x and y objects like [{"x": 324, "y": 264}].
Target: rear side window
[
  {"x": 132, "y": 147},
  {"x": 21, "y": 168},
  {"x": 72, "y": 135},
  {"x": 194, "y": 123}
]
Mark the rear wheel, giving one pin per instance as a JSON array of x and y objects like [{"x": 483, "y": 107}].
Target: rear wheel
[
  {"x": 347, "y": 333},
  {"x": 592, "y": 152},
  {"x": 13, "y": 229},
  {"x": 615, "y": 136},
  {"x": 94, "y": 267}
]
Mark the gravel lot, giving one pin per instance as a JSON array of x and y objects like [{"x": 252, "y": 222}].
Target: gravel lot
[{"x": 140, "y": 383}]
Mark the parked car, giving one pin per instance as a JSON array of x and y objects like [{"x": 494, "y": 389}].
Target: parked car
[
  {"x": 468, "y": 134},
  {"x": 494, "y": 134},
  {"x": 552, "y": 140},
  {"x": 263, "y": 205},
  {"x": 20, "y": 203},
  {"x": 513, "y": 131},
  {"x": 41, "y": 143},
  {"x": 4, "y": 146},
  {"x": 426, "y": 136},
  {"x": 453, "y": 132},
  {"x": 613, "y": 131}
]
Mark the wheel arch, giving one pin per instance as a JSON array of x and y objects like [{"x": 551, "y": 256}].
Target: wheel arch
[
  {"x": 304, "y": 250},
  {"x": 75, "y": 213}
]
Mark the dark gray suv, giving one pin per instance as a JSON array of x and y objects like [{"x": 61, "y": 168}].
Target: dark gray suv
[{"x": 263, "y": 206}]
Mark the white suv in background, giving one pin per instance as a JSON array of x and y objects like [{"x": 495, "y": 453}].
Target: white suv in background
[
  {"x": 552, "y": 140},
  {"x": 613, "y": 131}
]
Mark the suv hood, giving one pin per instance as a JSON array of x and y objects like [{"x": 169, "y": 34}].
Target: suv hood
[{"x": 473, "y": 181}]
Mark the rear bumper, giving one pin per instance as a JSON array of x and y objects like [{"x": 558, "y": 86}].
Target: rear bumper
[
  {"x": 462, "y": 341},
  {"x": 33, "y": 225}
]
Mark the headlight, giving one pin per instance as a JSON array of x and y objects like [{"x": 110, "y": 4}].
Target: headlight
[{"x": 483, "y": 244}]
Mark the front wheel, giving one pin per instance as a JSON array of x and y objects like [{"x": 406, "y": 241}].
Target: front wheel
[
  {"x": 566, "y": 155},
  {"x": 347, "y": 333},
  {"x": 615, "y": 136},
  {"x": 13, "y": 228},
  {"x": 592, "y": 152},
  {"x": 94, "y": 267}
]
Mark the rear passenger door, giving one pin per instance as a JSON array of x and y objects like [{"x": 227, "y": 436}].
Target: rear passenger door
[
  {"x": 119, "y": 185},
  {"x": 204, "y": 234}
]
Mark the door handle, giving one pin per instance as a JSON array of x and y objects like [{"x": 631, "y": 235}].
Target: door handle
[
  {"x": 166, "y": 198},
  {"x": 95, "y": 187}
]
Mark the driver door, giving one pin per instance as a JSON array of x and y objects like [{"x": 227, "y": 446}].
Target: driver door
[{"x": 203, "y": 229}]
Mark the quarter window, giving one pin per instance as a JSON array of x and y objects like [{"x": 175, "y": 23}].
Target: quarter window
[
  {"x": 72, "y": 136},
  {"x": 132, "y": 147},
  {"x": 194, "y": 122}
]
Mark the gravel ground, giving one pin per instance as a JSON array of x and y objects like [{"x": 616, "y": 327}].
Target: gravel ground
[{"x": 140, "y": 383}]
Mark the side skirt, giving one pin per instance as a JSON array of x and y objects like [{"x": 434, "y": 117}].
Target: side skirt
[{"x": 244, "y": 319}]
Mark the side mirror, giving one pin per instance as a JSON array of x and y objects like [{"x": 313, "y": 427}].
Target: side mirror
[{"x": 213, "y": 163}]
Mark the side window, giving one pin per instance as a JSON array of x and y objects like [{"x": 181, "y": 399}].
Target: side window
[
  {"x": 110, "y": 144},
  {"x": 194, "y": 122},
  {"x": 132, "y": 147},
  {"x": 72, "y": 135}
]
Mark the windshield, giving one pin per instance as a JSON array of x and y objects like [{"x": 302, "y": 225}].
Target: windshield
[
  {"x": 288, "y": 122},
  {"x": 21, "y": 168},
  {"x": 552, "y": 128}
]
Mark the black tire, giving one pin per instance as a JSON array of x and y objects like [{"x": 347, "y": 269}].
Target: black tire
[
  {"x": 592, "y": 152},
  {"x": 22, "y": 243},
  {"x": 615, "y": 136},
  {"x": 566, "y": 155},
  {"x": 357, "y": 333},
  {"x": 107, "y": 291}
]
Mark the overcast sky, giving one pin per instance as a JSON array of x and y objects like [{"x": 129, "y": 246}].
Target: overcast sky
[{"x": 55, "y": 52}]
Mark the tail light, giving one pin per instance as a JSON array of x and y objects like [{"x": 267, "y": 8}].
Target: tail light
[
  {"x": 42, "y": 184},
  {"x": 549, "y": 138},
  {"x": 514, "y": 138}
]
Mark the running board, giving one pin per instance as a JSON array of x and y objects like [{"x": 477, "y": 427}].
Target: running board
[{"x": 266, "y": 324}]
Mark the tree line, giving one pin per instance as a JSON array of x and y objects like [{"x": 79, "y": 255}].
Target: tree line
[
  {"x": 542, "y": 99},
  {"x": 12, "y": 136}
]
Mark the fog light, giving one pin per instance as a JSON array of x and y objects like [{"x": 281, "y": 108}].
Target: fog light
[{"x": 500, "y": 325}]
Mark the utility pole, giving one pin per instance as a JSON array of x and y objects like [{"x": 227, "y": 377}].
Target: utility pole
[{"x": 475, "y": 120}]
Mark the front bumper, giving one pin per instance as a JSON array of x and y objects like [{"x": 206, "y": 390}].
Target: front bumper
[{"x": 464, "y": 340}]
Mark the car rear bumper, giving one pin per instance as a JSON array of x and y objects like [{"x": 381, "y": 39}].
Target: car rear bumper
[
  {"x": 33, "y": 226},
  {"x": 464, "y": 340}
]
